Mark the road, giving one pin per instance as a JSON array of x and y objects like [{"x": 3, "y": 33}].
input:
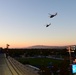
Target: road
[{"x": 4, "y": 69}]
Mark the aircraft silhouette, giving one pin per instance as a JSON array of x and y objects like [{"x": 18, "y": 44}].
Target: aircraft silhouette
[
  {"x": 48, "y": 25},
  {"x": 52, "y": 15}
]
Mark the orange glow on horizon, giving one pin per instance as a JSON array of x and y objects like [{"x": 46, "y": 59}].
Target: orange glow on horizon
[{"x": 25, "y": 45}]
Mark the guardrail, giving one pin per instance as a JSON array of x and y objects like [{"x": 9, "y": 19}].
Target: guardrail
[{"x": 23, "y": 69}]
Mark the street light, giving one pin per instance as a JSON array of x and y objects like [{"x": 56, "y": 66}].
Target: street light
[
  {"x": 70, "y": 49},
  {"x": 7, "y": 45}
]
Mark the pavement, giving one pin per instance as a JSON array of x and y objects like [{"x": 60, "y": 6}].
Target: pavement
[{"x": 4, "y": 69}]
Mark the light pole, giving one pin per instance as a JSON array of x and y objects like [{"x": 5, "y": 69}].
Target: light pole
[
  {"x": 70, "y": 49},
  {"x": 7, "y": 52}
]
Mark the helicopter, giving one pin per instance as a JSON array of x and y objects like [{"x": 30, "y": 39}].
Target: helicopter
[
  {"x": 48, "y": 25},
  {"x": 52, "y": 15}
]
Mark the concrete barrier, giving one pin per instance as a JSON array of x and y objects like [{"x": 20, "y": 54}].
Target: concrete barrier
[
  {"x": 22, "y": 69},
  {"x": 13, "y": 71}
]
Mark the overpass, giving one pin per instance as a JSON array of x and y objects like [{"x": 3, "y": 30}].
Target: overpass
[{"x": 11, "y": 66}]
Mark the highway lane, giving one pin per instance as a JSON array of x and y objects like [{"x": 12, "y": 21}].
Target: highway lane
[{"x": 4, "y": 69}]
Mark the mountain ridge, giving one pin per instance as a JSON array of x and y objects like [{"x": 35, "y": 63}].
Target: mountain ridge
[{"x": 45, "y": 47}]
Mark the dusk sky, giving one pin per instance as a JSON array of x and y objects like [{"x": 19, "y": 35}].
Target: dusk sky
[{"x": 23, "y": 23}]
